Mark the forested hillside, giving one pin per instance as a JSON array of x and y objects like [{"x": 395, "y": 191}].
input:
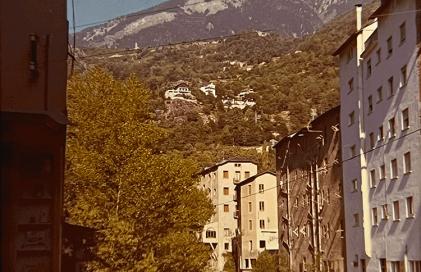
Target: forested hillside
[{"x": 293, "y": 79}]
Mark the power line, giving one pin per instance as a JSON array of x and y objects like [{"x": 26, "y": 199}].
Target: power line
[{"x": 327, "y": 166}]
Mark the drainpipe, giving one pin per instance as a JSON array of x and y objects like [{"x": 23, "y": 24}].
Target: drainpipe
[
  {"x": 289, "y": 222},
  {"x": 362, "y": 135}
]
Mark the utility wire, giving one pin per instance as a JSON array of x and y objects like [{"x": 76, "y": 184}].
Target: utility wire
[{"x": 323, "y": 169}]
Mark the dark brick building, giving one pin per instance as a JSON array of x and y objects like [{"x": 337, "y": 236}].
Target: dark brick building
[{"x": 310, "y": 207}]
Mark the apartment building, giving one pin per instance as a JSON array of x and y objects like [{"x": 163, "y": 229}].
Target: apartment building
[
  {"x": 257, "y": 217},
  {"x": 380, "y": 124},
  {"x": 219, "y": 182},
  {"x": 310, "y": 207}
]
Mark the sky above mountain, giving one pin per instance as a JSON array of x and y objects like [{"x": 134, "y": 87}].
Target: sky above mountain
[{"x": 90, "y": 11}]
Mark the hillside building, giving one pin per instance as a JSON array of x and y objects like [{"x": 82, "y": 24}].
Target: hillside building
[
  {"x": 209, "y": 89},
  {"x": 310, "y": 210},
  {"x": 180, "y": 89},
  {"x": 257, "y": 217},
  {"x": 380, "y": 124},
  {"x": 219, "y": 182}
]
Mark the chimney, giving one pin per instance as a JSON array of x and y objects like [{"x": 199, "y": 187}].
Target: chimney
[{"x": 358, "y": 10}]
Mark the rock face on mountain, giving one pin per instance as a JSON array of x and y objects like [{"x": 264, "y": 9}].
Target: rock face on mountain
[{"x": 186, "y": 20}]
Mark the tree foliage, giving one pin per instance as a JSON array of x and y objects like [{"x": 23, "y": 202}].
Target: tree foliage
[{"x": 144, "y": 202}]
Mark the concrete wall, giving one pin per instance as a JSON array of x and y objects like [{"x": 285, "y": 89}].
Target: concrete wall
[
  {"x": 42, "y": 89},
  {"x": 250, "y": 195},
  {"x": 389, "y": 239}
]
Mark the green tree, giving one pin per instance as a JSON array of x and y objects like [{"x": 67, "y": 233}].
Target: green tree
[
  {"x": 229, "y": 265},
  {"x": 144, "y": 203},
  {"x": 266, "y": 262}
]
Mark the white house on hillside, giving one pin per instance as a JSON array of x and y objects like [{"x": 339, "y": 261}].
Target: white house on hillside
[
  {"x": 209, "y": 89},
  {"x": 180, "y": 89}
]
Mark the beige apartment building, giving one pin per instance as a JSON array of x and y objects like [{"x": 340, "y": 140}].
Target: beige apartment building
[
  {"x": 381, "y": 139},
  {"x": 257, "y": 217},
  {"x": 219, "y": 182}
]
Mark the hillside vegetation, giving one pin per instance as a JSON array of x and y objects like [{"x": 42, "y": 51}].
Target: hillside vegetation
[{"x": 293, "y": 80}]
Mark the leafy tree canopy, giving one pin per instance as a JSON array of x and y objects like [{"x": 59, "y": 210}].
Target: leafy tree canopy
[{"x": 143, "y": 202}]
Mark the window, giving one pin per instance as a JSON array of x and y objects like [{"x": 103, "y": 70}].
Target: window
[
  {"x": 353, "y": 151},
  {"x": 261, "y": 206},
  {"x": 237, "y": 175},
  {"x": 226, "y": 208},
  {"x": 363, "y": 265},
  {"x": 237, "y": 165},
  {"x": 407, "y": 163},
  {"x": 226, "y": 246},
  {"x": 251, "y": 245},
  {"x": 261, "y": 188},
  {"x": 389, "y": 46},
  {"x": 372, "y": 140},
  {"x": 246, "y": 174},
  {"x": 227, "y": 232},
  {"x": 395, "y": 266},
  {"x": 391, "y": 87},
  {"x": 370, "y": 104},
  {"x": 378, "y": 56},
  {"x": 262, "y": 224},
  {"x": 356, "y": 220},
  {"x": 249, "y": 187},
  {"x": 374, "y": 216},
  {"x": 402, "y": 31},
  {"x": 351, "y": 85},
  {"x": 385, "y": 212},
  {"x": 381, "y": 134},
  {"x": 392, "y": 129},
  {"x": 369, "y": 69},
  {"x": 396, "y": 212},
  {"x": 382, "y": 174},
  {"x": 351, "y": 118},
  {"x": 210, "y": 234},
  {"x": 226, "y": 175},
  {"x": 373, "y": 178},
  {"x": 250, "y": 207},
  {"x": 405, "y": 119},
  {"x": 354, "y": 185},
  {"x": 226, "y": 191},
  {"x": 262, "y": 244},
  {"x": 379, "y": 94},
  {"x": 404, "y": 77},
  {"x": 250, "y": 225},
  {"x": 383, "y": 265},
  {"x": 247, "y": 263},
  {"x": 394, "y": 169},
  {"x": 414, "y": 266},
  {"x": 410, "y": 206}
]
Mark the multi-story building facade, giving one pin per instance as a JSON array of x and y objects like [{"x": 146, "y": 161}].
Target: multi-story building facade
[
  {"x": 219, "y": 181},
  {"x": 33, "y": 76},
  {"x": 257, "y": 218},
  {"x": 380, "y": 124},
  {"x": 310, "y": 209}
]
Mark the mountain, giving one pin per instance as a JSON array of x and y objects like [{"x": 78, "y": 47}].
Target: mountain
[{"x": 186, "y": 20}]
